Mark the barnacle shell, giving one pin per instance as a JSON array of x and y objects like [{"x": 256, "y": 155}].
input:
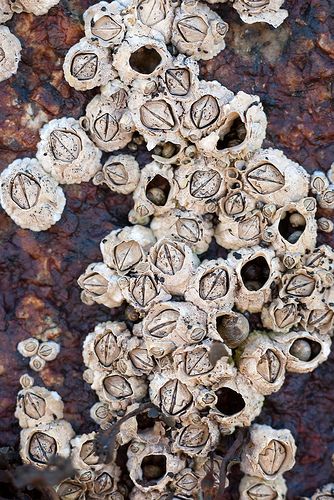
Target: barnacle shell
[
  {"x": 66, "y": 152},
  {"x": 255, "y": 488},
  {"x": 101, "y": 414},
  {"x": 255, "y": 11},
  {"x": 174, "y": 263},
  {"x": 263, "y": 363},
  {"x": 324, "y": 493},
  {"x": 269, "y": 453},
  {"x": 83, "y": 454},
  {"x": 198, "y": 438},
  {"x": 319, "y": 320},
  {"x": 231, "y": 327},
  {"x": 6, "y": 12},
  {"x": 187, "y": 483},
  {"x": 125, "y": 249},
  {"x": 326, "y": 199},
  {"x": 87, "y": 65},
  {"x": 304, "y": 351},
  {"x": 143, "y": 290},
  {"x": 194, "y": 230},
  {"x": 48, "y": 350},
  {"x": 198, "y": 31},
  {"x": 107, "y": 120},
  {"x": 37, "y": 8},
  {"x": 104, "y": 24},
  {"x": 120, "y": 173},
  {"x": 170, "y": 325},
  {"x": 37, "y": 363},
  {"x": 213, "y": 286},
  {"x": 135, "y": 359},
  {"x": 180, "y": 78},
  {"x": 171, "y": 395},
  {"x": 41, "y": 444},
  {"x": 240, "y": 231},
  {"x": 100, "y": 284},
  {"x": 281, "y": 315},
  {"x": 105, "y": 482},
  {"x": 257, "y": 269},
  {"x": 70, "y": 489},
  {"x": 156, "y": 191},
  {"x": 155, "y": 15},
  {"x": 28, "y": 347},
  {"x": 242, "y": 129},
  {"x": 36, "y": 405},
  {"x": 30, "y": 197}
]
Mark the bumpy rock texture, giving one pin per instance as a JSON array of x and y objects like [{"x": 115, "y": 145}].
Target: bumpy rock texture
[{"x": 290, "y": 68}]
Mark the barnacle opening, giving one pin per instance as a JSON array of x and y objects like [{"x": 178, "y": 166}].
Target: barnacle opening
[
  {"x": 154, "y": 468},
  {"x": 145, "y": 422},
  {"x": 145, "y": 60},
  {"x": 157, "y": 190},
  {"x": 229, "y": 402},
  {"x": 305, "y": 349},
  {"x": 255, "y": 273},
  {"x": 167, "y": 149},
  {"x": 232, "y": 134},
  {"x": 291, "y": 226}
]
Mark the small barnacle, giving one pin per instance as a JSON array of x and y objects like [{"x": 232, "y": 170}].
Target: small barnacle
[
  {"x": 170, "y": 325},
  {"x": 194, "y": 230},
  {"x": 198, "y": 31},
  {"x": 37, "y": 8},
  {"x": 70, "y": 489},
  {"x": 171, "y": 395},
  {"x": 180, "y": 78},
  {"x": 241, "y": 131},
  {"x": 156, "y": 192},
  {"x": 325, "y": 225},
  {"x": 120, "y": 173},
  {"x": 48, "y": 350},
  {"x": 66, "y": 153},
  {"x": 319, "y": 320},
  {"x": 197, "y": 439},
  {"x": 107, "y": 120},
  {"x": 143, "y": 290},
  {"x": 105, "y": 481},
  {"x": 232, "y": 327},
  {"x": 100, "y": 284},
  {"x": 37, "y": 363},
  {"x": 125, "y": 249},
  {"x": 281, "y": 315},
  {"x": 31, "y": 197},
  {"x": 301, "y": 285},
  {"x": 242, "y": 231},
  {"x": 256, "y": 488},
  {"x": 39, "y": 445},
  {"x": 304, "y": 351},
  {"x": 6, "y": 12},
  {"x": 319, "y": 182},
  {"x": 36, "y": 405},
  {"x": 104, "y": 24},
  {"x": 263, "y": 363},
  {"x": 257, "y": 270},
  {"x": 136, "y": 359},
  {"x": 174, "y": 263},
  {"x": 326, "y": 199},
  {"x": 28, "y": 347},
  {"x": 152, "y": 15},
  {"x": 87, "y": 65},
  {"x": 269, "y": 453},
  {"x": 255, "y": 11}
]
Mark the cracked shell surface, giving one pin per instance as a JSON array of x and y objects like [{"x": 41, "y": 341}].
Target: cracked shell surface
[
  {"x": 104, "y": 24},
  {"x": 256, "y": 11},
  {"x": 30, "y": 196},
  {"x": 269, "y": 452},
  {"x": 87, "y": 66},
  {"x": 198, "y": 31},
  {"x": 255, "y": 488},
  {"x": 37, "y": 8},
  {"x": 36, "y": 405},
  {"x": 120, "y": 173},
  {"x": 66, "y": 152},
  {"x": 100, "y": 284},
  {"x": 41, "y": 444}
]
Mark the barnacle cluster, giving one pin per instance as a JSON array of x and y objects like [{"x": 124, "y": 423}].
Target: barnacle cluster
[{"x": 38, "y": 352}]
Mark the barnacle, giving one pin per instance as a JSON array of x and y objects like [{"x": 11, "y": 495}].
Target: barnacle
[
  {"x": 254, "y": 11},
  {"x": 37, "y": 8},
  {"x": 104, "y": 23},
  {"x": 100, "y": 284},
  {"x": 256, "y": 488},
  {"x": 36, "y": 405},
  {"x": 30, "y": 196},
  {"x": 6, "y": 12}
]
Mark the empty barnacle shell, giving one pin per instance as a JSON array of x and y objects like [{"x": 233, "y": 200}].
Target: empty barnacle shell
[
  {"x": 100, "y": 284},
  {"x": 103, "y": 346},
  {"x": 71, "y": 489},
  {"x": 40, "y": 445},
  {"x": 28, "y": 347},
  {"x": 242, "y": 231},
  {"x": 242, "y": 129},
  {"x": 255, "y": 11},
  {"x": 304, "y": 351},
  {"x": 87, "y": 65},
  {"x": 269, "y": 452},
  {"x": 213, "y": 286},
  {"x": 171, "y": 395},
  {"x": 36, "y": 405},
  {"x": 125, "y": 249},
  {"x": 156, "y": 191},
  {"x": 237, "y": 403},
  {"x": 120, "y": 173},
  {"x": 140, "y": 57},
  {"x": 30, "y": 197},
  {"x": 324, "y": 493},
  {"x": 196, "y": 439},
  {"x": 186, "y": 226},
  {"x": 256, "y": 488},
  {"x": 104, "y": 23},
  {"x": 48, "y": 350},
  {"x": 174, "y": 263},
  {"x": 10, "y": 53},
  {"x": 155, "y": 15},
  {"x": 263, "y": 363},
  {"x": 281, "y": 315},
  {"x": 6, "y": 12},
  {"x": 257, "y": 271},
  {"x": 170, "y": 325},
  {"x": 198, "y": 31},
  {"x": 232, "y": 327},
  {"x": 66, "y": 152},
  {"x": 169, "y": 153},
  {"x": 37, "y": 8},
  {"x": 117, "y": 390},
  {"x": 151, "y": 464},
  {"x": 272, "y": 178},
  {"x": 107, "y": 120},
  {"x": 142, "y": 290}
]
